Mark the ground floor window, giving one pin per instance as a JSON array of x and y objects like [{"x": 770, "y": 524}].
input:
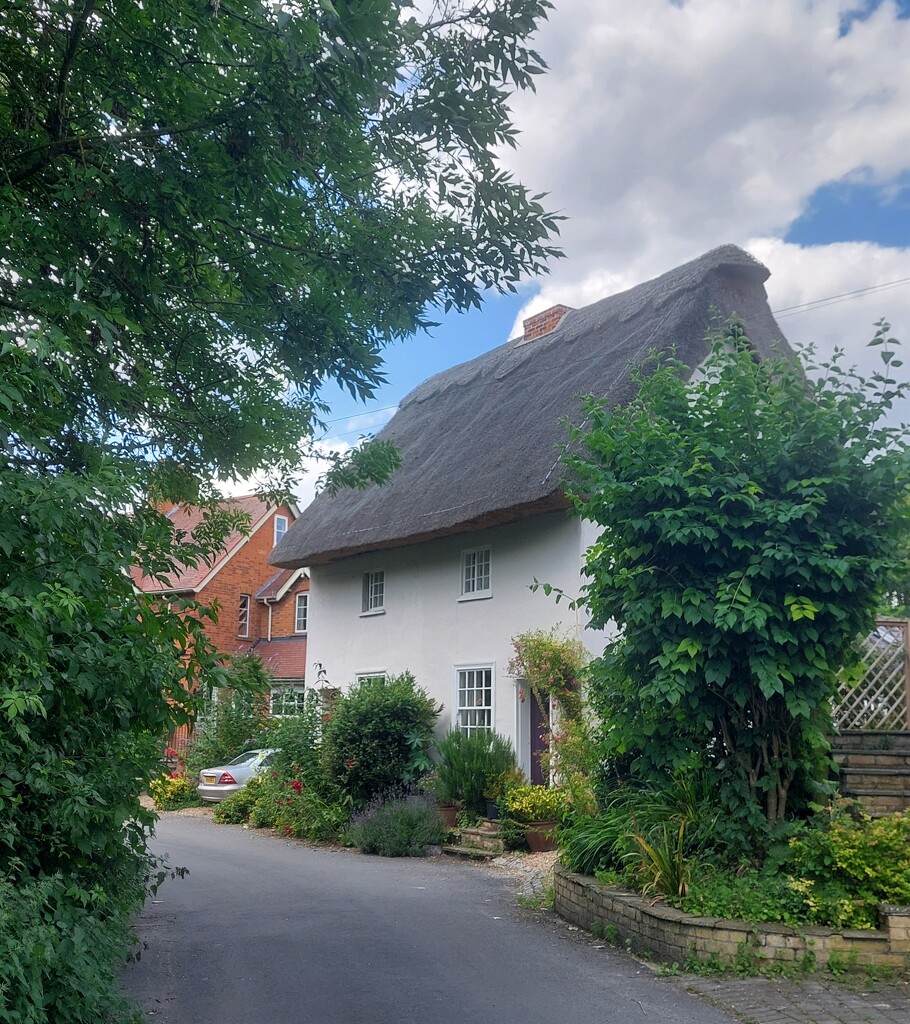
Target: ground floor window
[
  {"x": 286, "y": 699},
  {"x": 475, "y": 699}
]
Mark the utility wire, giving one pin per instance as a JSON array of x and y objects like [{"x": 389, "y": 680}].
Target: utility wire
[{"x": 831, "y": 300}]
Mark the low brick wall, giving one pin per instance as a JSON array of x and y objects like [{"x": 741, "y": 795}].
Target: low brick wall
[{"x": 671, "y": 935}]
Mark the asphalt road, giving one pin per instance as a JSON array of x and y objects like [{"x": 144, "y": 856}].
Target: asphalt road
[{"x": 268, "y": 930}]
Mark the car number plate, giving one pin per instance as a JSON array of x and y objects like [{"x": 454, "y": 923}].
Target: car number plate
[{"x": 208, "y": 779}]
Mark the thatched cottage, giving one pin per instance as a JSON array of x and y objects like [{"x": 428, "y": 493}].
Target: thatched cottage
[{"x": 431, "y": 572}]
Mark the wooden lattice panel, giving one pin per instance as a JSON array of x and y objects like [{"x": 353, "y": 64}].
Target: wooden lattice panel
[{"x": 880, "y": 700}]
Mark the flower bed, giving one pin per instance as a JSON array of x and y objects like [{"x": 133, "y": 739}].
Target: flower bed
[{"x": 673, "y": 936}]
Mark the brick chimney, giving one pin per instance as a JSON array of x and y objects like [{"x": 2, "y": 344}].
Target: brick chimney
[{"x": 543, "y": 323}]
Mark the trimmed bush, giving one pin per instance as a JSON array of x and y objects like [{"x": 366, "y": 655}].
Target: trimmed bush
[
  {"x": 377, "y": 736},
  {"x": 402, "y": 826}
]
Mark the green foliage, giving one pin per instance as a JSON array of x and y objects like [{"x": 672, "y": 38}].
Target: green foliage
[
  {"x": 551, "y": 663},
  {"x": 592, "y": 845},
  {"x": 398, "y": 827},
  {"x": 678, "y": 821},
  {"x": 236, "y": 717},
  {"x": 298, "y": 742},
  {"x": 172, "y": 792},
  {"x": 294, "y": 186},
  {"x": 368, "y": 745},
  {"x": 848, "y": 863},
  {"x": 751, "y": 895},
  {"x": 749, "y": 517},
  {"x": 535, "y": 803},
  {"x": 236, "y": 808},
  {"x": 470, "y": 765},
  {"x": 284, "y": 803},
  {"x": 60, "y": 950},
  {"x": 662, "y": 868},
  {"x": 208, "y": 210}
]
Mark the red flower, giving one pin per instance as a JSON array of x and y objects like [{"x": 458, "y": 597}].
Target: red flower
[
  {"x": 274, "y": 775},
  {"x": 350, "y": 763},
  {"x": 170, "y": 752},
  {"x": 288, "y": 831},
  {"x": 175, "y": 775},
  {"x": 297, "y": 785},
  {"x": 326, "y": 718}
]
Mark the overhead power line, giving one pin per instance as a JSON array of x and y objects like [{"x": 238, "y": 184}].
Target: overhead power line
[{"x": 831, "y": 300}]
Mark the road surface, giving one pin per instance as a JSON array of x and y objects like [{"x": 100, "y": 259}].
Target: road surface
[{"x": 264, "y": 929}]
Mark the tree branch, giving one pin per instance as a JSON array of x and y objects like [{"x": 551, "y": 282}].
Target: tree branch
[{"x": 55, "y": 119}]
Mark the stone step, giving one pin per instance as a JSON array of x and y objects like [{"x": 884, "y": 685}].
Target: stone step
[
  {"x": 482, "y": 838},
  {"x": 471, "y": 853},
  {"x": 871, "y": 742},
  {"x": 878, "y": 759}
]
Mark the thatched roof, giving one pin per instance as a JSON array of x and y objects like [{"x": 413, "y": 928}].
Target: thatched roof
[{"x": 480, "y": 442}]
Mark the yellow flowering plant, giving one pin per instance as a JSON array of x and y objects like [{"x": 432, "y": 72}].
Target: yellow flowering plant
[{"x": 535, "y": 803}]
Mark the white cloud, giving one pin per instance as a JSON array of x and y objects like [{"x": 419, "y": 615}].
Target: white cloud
[{"x": 663, "y": 130}]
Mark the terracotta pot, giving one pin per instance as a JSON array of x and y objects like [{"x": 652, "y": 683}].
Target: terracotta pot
[
  {"x": 449, "y": 814},
  {"x": 539, "y": 835}
]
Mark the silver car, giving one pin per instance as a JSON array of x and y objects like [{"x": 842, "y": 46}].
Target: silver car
[{"x": 217, "y": 783}]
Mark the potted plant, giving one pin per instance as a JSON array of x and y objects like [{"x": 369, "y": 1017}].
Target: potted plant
[
  {"x": 448, "y": 806},
  {"x": 497, "y": 788},
  {"x": 540, "y": 808},
  {"x": 466, "y": 766}
]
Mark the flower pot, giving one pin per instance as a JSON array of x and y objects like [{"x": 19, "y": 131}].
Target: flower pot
[
  {"x": 449, "y": 814},
  {"x": 539, "y": 835},
  {"x": 492, "y": 810}
]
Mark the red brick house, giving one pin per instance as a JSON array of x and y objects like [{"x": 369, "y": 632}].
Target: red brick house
[{"x": 261, "y": 611}]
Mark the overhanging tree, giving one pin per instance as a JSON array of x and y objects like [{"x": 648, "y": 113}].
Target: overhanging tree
[
  {"x": 207, "y": 210},
  {"x": 749, "y": 519}
]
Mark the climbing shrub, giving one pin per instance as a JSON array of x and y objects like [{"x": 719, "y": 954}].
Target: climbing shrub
[{"x": 749, "y": 519}]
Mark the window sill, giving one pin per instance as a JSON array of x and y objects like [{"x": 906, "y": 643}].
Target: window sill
[
  {"x": 372, "y": 612},
  {"x": 480, "y": 595},
  {"x": 300, "y": 632}
]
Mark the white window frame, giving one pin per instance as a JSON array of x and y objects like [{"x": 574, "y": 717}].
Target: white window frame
[
  {"x": 470, "y": 591},
  {"x": 375, "y": 674},
  {"x": 243, "y": 616},
  {"x": 278, "y": 534},
  {"x": 372, "y": 595},
  {"x": 281, "y": 690},
  {"x": 306, "y": 612},
  {"x": 466, "y": 715}
]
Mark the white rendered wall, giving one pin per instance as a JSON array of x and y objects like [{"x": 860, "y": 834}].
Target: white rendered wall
[{"x": 426, "y": 629}]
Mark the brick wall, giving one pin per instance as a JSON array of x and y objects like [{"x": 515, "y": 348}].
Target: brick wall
[
  {"x": 284, "y": 612},
  {"x": 673, "y": 936},
  {"x": 245, "y": 573}
]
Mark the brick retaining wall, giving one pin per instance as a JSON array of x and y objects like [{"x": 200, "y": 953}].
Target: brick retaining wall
[{"x": 673, "y": 936}]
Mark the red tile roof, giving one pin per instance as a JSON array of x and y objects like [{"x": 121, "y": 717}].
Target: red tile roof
[
  {"x": 284, "y": 657},
  {"x": 188, "y": 518}
]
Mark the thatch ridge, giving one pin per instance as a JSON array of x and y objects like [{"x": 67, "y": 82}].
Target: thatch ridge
[{"x": 480, "y": 441}]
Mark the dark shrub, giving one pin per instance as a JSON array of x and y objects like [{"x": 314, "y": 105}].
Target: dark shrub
[
  {"x": 402, "y": 826},
  {"x": 377, "y": 736}
]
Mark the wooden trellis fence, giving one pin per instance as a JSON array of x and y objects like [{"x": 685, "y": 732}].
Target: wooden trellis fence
[{"x": 881, "y": 699}]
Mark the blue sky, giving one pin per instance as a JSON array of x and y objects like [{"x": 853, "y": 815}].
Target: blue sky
[{"x": 666, "y": 128}]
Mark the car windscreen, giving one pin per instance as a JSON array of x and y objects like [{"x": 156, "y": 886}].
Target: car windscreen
[{"x": 246, "y": 758}]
